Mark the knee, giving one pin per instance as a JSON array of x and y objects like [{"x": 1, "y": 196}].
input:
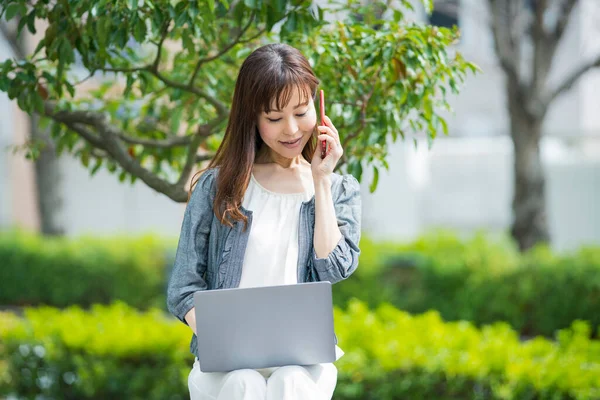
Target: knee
[
  {"x": 329, "y": 370},
  {"x": 289, "y": 374},
  {"x": 245, "y": 379}
]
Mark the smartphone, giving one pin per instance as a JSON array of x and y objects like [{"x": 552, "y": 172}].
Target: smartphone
[{"x": 322, "y": 107}]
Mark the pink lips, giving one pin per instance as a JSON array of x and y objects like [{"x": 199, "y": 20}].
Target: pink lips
[
  {"x": 293, "y": 144},
  {"x": 292, "y": 141}
]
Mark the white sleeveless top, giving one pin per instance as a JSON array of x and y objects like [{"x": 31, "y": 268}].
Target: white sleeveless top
[
  {"x": 272, "y": 251},
  {"x": 271, "y": 256}
]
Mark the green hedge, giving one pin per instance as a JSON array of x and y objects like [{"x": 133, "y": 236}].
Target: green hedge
[
  {"x": 35, "y": 270},
  {"x": 117, "y": 352},
  {"x": 480, "y": 279}
]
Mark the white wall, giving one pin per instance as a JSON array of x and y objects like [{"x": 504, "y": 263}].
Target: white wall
[
  {"x": 5, "y": 181},
  {"x": 17, "y": 195},
  {"x": 467, "y": 184},
  {"x": 102, "y": 205},
  {"x": 590, "y": 48}
]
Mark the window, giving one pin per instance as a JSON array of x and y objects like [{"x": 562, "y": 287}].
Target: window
[{"x": 445, "y": 13}]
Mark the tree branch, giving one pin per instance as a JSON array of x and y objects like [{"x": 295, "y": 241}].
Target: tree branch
[
  {"x": 564, "y": 16},
  {"x": 251, "y": 38},
  {"x": 163, "y": 36},
  {"x": 541, "y": 48},
  {"x": 131, "y": 165},
  {"x": 204, "y": 157},
  {"x": 191, "y": 157},
  {"x": 570, "y": 81},
  {"x": 153, "y": 68},
  {"x": 364, "y": 102},
  {"x": 85, "y": 133},
  {"x": 107, "y": 139},
  {"x": 98, "y": 153},
  {"x": 161, "y": 144},
  {"x": 507, "y": 53},
  {"x": 546, "y": 42},
  {"x": 221, "y": 52},
  {"x": 204, "y": 130},
  {"x": 219, "y": 106}
]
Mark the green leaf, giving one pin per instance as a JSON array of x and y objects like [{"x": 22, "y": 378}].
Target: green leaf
[
  {"x": 44, "y": 123},
  {"x": 290, "y": 23},
  {"x": 13, "y": 9},
  {"x": 375, "y": 180},
  {"x": 176, "y": 119},
  {"x": 139, "y": 31},
  {"x": 85, "y": 158},
  {"x": 356, "y": 169},
  {"x": 427, "y": 109},
  {"x": 66, "y": 52},
  {"x": 129, "y": 85},
  {"x": 243, "y": 52},
  {"x": 31, "y": 22},
  {"x": 187, "y": 42},
  {"x": 181, "y": 19},
  {"x": 444, "y": 125},
  {"x": 96, "y": 166},
  {"x": 111, "y": 166},
  {"x": 22, "y": 24},
  {"x": 38, "y": 103},
  {"x": 271, "y": 18}
]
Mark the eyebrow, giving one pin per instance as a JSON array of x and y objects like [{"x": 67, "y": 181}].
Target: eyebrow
[{"x": 298, "y": 106}]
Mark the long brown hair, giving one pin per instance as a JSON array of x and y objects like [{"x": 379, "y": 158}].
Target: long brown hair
[{"x": 269, "y": 73}]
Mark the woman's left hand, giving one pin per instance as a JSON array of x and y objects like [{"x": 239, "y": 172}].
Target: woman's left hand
[{"x": 324, "y": 167}]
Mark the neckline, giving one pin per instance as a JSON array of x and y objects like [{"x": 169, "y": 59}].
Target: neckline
[{"x": 264, "y": 189}]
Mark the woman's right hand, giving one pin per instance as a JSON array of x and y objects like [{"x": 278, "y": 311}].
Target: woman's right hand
[{"x": 190, "y": 318}]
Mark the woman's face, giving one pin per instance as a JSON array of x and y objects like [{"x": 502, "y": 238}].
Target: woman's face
[{"x": 295, "y": 123}]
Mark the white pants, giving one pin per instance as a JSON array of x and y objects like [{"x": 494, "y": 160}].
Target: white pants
[{"x": 313, "y": 382}]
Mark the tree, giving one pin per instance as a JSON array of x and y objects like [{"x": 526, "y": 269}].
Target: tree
[
  {"x": 47, "y": 171},
  {"x": 530, "y": 96},
  {"x": 177, "y": 62}
]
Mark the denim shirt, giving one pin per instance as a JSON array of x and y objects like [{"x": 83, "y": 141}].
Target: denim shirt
[{"x": 210, "y": 255}]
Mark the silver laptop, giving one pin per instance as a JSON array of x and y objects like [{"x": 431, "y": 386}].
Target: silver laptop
[{"x": 265, "y": 327}]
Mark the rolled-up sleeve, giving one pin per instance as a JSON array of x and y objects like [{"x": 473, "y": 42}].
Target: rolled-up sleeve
[
  {"x": 343, "y": 260},
  {"x": 191, "y": 258}
]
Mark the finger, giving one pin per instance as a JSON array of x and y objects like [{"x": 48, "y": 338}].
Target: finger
[
  {"x": 333, "y": 144},
  {"x": 330, "y": 124},
  {"x": 330, "y": 139},
  {"x": 327, "y": 130}
]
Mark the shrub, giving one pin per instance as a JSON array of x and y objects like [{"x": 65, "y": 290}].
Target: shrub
[
  {"x": 60, "y": 271},
  {"x": 116, "y": 352},
  {"x": 107, "y": 352},
  {"x": 481, "y": 280}
]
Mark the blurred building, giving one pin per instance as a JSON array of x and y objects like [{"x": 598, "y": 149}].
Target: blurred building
[{"x": 464, "y": 182}]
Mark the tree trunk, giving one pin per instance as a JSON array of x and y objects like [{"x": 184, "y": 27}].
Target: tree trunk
[
  {"x": 47, "y": 175},
  {"x": 530, "y": 225}
]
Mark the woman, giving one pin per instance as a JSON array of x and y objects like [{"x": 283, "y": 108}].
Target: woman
[{"x": 267, "y": 211}]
